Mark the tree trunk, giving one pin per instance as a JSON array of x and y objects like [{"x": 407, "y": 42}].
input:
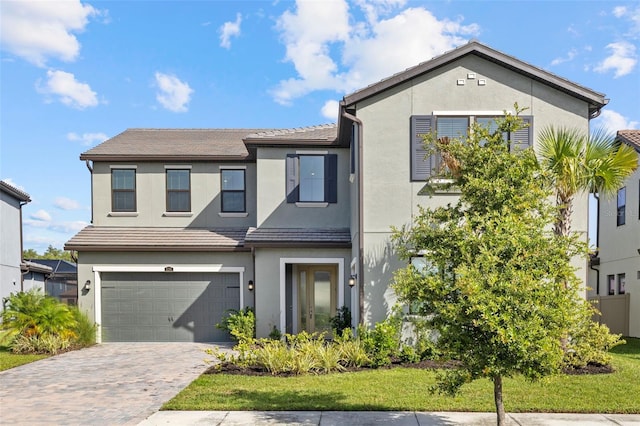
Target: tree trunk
[
  {"x": 562, "y": 226},
  {"x": 497, "y": 395}
]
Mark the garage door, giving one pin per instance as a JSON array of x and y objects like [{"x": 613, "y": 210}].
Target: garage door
[{"x": 167, "y": 307}]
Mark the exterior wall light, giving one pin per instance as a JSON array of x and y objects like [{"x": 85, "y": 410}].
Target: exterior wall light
[
  {"x": 250, "y": 285},
  {"x": 87, "y": 285},
  {"x": 352, "y": 280}
]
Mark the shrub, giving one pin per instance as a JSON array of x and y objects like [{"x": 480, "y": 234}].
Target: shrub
[
  {"x": 45, "y": 343},
  {"x": 274, "y": 357},
  {"x": 32, "y": 313},
  {"x": 85, "y": 330},
  {"x": 341, "y": 321},
  {"x": 241, "y": 324},
  {"x": 383, "y": 342},
  {"x": 275, "y": 334}
]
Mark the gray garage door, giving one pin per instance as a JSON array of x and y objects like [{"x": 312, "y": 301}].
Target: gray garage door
[{"x": 167, "y": 307}]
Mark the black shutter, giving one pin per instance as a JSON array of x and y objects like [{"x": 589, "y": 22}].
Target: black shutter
[
  {"x": 331, "y": 178},
  {"x": 421, "y": 167},
  {"x": 293, "y": 189},
  {"x": 523, "y": 138}
]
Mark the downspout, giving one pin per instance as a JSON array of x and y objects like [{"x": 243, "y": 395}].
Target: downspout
[
  {"x": 88, "y": 164},
  {"x": 356, "y": 120}
]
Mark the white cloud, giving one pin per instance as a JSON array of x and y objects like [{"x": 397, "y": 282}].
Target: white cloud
[
  {"x": 228, "y": 30},
  {"x": 613, "y": 121},
  {"x": 12, "y": 183},
  {"x": 68, "y": 227},
  {"x": 68, "y": 90},
  {"x": 619, "y": 11},
  {"x": 622, "y": 60},
  {"x": 173, "y": 94},
  {"x": 570, "y": 55},
  {"x": 65, "y": 203},
  {"x": 37, "y": 30},
  {"x": 41, "y": 216},
  {"x": 330, "y": 110},
  {"x": 87, "y": 139},
  {"x": 331, "y": 50}
]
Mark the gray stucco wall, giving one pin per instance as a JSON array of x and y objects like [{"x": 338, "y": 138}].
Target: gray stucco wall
[
  {"x": 268, "y": 281},
  {"x": 10, "y": 245},
  {"x": 151, "y": 196},
  {"x": 389, "y": 196},
  {"x": 273, "y": 209}
]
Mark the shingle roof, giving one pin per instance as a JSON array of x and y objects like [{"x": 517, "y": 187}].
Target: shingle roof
[
  {"x": 14, "y": 192},
  {"x": 29, "y": 266},
  {"x": 321, "y": 133},
  {"x": 173, "y": 144},
  {"x": 631, "y": 137},
  {"x": 596, "y": 100},
  {"x": 96, "y": 238},
  {"x": 298, "y": 237}
]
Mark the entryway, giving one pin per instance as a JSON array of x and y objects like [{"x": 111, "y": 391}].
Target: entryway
[{"x": 316, "y": 297}]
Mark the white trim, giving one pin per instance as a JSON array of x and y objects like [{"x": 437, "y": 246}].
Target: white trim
[
  {"x": 99, "y": 269},
  {"x": 123, "y": 166},
  {"x": 311, "y": 152},
  {"x": 311, "y": 204},
  {"x": 122, "y": 214},
  {"x": 308, "y": 261},
  {"x": 177, "y": 214},
  {"x": 178, "y": 167},
  {"x": 223, "y": 214},
  {"x": 233, "y": 167},
  {"x": 472, "y": 113}
]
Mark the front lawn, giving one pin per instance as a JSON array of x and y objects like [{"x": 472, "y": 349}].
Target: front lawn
[
  {"x": 406, "y": 389},
  {"x": 9, "y": 360}
]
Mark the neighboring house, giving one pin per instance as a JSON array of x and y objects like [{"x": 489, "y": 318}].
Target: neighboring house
[
  {"x": 616, "y": 278},
  {"x": 35, "y": 275},
  {"x": 62, "y": 280},
  {"x": 189, "y": 223},
  {"x": 11, "y": 201}
]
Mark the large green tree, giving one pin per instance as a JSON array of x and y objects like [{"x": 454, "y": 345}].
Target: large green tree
[
  {"x": 579, "y": 161},
  {"x": 50, "y": 253},
  {"x": 494, "y": 286}
]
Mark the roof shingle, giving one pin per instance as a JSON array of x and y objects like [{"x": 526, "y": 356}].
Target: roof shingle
[
  {"x": 631, "y": 137},
  {"x": 298, "y": 237}
]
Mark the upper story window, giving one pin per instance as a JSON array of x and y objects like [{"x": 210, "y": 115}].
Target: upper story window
[
  {"x": 621, "y": 206},
  {"x": 621, "y": 283},
  {"x": 611, "y": 290},
  {"x": 312, "y": 178},
  {"x": 178, "y": 190},
  {"x": 232, "y": 186},
  {"x": 455, "y": 126},
  {"x": 123, "y": 190}
]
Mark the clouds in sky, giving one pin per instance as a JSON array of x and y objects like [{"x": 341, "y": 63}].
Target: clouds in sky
[
  {"x": 64, "y": 203},
  {"x": 613, "y": 121},
  {"x": 228, "y": 30},
  {"x": 622, "y": 60},
  {"x": 64, "y": 86},
  {"x": 87, "y": 139},
  {"x": 38, "y": 30},
  {"x": 172, "y": 93},
  {"x": 315, "y": 31}
]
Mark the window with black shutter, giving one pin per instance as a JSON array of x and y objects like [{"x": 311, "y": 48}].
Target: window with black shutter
[{"x": 312, "y": 178}]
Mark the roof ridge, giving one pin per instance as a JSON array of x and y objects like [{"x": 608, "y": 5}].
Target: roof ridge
[{"x": 293, "y": 130}]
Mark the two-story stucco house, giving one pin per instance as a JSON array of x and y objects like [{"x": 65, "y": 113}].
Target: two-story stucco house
[
  {"x": 615, "y": 280},
  {"x": 293, "y": 222}
]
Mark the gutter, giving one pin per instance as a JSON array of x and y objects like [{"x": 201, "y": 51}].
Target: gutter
[{"x": 356, "y": 120}]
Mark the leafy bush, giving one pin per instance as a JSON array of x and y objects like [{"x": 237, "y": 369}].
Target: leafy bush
[
  {"x": 341, "y": 321},
  {"x": 85, "y": 330},
  {"x": 275, "y": 334},
  {"x": 382, "y": 343},
  {"x": 241, "y": 324},
  {"x": 45, "y": 343},
  {"x": 589, "y": 342},
  {"x": 274, "y": 357},
  {"x": 31, "y": 313}
]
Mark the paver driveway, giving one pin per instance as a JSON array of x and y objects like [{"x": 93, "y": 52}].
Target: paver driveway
[{"x": 107, "y": 384}]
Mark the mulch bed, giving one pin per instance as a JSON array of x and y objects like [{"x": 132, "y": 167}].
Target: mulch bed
[{"x": 230, "y": 368}]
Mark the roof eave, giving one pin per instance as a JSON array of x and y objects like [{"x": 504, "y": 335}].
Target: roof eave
[
  {"x": 298, "y": 244},
  {"x": 146, "y": 157},
  {"x": 147, "y": 248}
]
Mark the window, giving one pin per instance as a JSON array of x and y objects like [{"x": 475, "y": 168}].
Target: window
[
  {"x": 233, "y": 191},
  {"x": 622, "y": 201},
  {"x": 178, "y": 190},
  {"x": 621, "y": 280},
  {"x": 123, "y": 190},
  {"x": 610, "y": 284},
  {"x": 423, "y": 167},
  {"x": 312, "y": 178}
]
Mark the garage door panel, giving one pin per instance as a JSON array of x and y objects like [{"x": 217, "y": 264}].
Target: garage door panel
[{"x": 167, "y": 307}]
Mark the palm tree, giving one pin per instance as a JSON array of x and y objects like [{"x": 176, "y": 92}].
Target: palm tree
[{"x": 578, "y": 162}]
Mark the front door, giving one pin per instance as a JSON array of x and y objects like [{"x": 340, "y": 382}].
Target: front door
[{"x": 317, "y": 286}]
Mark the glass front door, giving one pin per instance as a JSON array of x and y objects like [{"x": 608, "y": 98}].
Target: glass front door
[{"x": 316, "y": 297}]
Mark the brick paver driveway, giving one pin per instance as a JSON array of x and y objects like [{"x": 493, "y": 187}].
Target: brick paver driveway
[{"x": 107, "y": 384}]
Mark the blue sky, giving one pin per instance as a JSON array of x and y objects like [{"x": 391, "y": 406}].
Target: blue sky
[{"x": 75, "y": 73}]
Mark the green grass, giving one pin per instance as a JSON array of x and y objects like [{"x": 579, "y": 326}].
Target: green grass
[
  {"x": 407, "y": 389},
  {"x": 9, "y": 360}
]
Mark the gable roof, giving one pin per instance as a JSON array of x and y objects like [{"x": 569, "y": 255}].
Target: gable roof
[
  {"x": 630, "y": 137},
  {"x": 324, "y": 134},
  {"x": 14, "y": 192},
  {"x": 595, "y": 100},
  {"x": 173, "y": 145}
]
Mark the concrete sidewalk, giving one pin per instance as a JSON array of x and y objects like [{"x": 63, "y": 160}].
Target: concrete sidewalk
[{"x": 387, "y": 418}]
